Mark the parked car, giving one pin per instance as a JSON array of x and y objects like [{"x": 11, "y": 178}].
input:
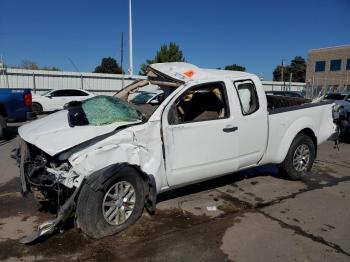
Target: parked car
[
  {"x": 148, "y": 97},
  {"x": 15, "y": 106},
  {"x": 54, "y": 100},
  {"x": 106, "y": 161},
  {"x": 285, "y": 93},
  {"x": 342, "y": 109},
  {"x": 336, "y": 96}
]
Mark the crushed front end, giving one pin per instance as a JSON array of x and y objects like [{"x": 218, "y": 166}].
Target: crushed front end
[
  {"x": 46, "y": 177},
  {"x": 43, "y": 175}
]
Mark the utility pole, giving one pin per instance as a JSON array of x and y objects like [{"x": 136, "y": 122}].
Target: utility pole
[
  {"x": 131, "y": 70},
  {"x": 4, "y": 72},
  {"x": 282, "y": 74},
  {"x": 122, "y": 58},
  {"x": 290, "y": 80}
]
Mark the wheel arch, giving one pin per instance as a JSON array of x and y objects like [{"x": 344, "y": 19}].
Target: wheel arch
[
  {"x": 100, "y": 177},
  {"x": 302, "y": 126},
  {"x": 309, "y": 132},
  {"x": 39, "y": 104}
]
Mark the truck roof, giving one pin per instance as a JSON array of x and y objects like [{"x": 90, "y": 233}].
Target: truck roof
[{"x": 184, "y": 72}]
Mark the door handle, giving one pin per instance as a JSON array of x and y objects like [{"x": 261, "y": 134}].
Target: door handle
[{"x": 230, "y": 129}]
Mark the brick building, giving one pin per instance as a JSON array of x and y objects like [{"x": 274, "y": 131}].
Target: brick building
[{"x": 328, "y": 69}]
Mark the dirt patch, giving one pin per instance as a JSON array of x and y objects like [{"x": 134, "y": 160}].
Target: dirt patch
[
  {"x": 16, "y": 227},
  {"x": 14, "y": 185},
  {"x": 167, "y": 232},
  {"x": 16, "y": 205},
  {"x": 322, "y": 177},
  {"x": 228, "y": 207}
]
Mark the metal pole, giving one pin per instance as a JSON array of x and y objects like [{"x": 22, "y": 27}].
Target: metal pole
[
  {"x": 4, "y": 72},
  {"x": 282, "y": 74},
  {"x": 312, "y": 87},
  {"x": 131, "y": 70},
  {"x": 290, "y": 80},
  {"x": 82, "y": 81},
  {"x": 122, "y": 58},
  {"x": 34, "y": 85}
]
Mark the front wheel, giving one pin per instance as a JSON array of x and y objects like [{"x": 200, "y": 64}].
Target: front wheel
[
  {"x": 300, "y": 157},
  {"x": 113, "y": 209}
]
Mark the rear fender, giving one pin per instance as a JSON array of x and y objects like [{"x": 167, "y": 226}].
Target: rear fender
[{"x": 304, "y": 123}]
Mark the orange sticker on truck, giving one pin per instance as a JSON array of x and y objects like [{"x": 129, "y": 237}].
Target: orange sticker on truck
[{"x": 189, "y": 73}]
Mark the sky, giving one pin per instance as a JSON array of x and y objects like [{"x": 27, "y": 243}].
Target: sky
[{"x": 255, "y": 34}]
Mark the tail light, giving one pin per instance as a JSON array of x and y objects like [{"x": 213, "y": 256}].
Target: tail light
[{"x": 28, "y": 99}]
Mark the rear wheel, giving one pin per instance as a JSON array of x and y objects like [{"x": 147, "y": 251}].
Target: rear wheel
[
  {"x": 113, "y": 209},
  {"x": 300, "y": 157},
  {"x": 37, "y": 108}
]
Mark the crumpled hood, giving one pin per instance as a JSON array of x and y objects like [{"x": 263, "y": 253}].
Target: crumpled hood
[{"x": 52, "y": 134}]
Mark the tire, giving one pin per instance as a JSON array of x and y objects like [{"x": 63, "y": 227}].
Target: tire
[
  {"x": 90, "y": 213},
  {"x": 37, "y": 108},
  {"x": 2, "y": 127},
  {"x": 300, "y": 157}
]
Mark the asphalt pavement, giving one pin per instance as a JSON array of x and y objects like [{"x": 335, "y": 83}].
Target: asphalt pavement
[{"x": 254, "y": 215}]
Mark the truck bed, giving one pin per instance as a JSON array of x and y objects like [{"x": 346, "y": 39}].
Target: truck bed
[
  {"x": 278, "y": 102},
  {"x": 15, "y": 104},
  {"x": 284, "y": 122}
]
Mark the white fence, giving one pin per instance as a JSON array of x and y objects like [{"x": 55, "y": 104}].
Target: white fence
[{"x": 39, "y": 81}]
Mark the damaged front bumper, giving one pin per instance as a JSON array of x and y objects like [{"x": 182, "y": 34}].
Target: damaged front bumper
[
  {"x": 48, "y": 227},
  {"x": 48, "y": 180}
]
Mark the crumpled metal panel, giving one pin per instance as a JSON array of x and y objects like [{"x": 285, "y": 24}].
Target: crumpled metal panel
[{"x": 137, "y": 145}]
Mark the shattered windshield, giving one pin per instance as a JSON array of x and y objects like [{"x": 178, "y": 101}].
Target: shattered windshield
[{"x": 103, "y": 110}]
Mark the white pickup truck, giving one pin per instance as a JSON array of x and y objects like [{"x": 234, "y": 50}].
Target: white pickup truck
[{"x": 106, "y": 161}]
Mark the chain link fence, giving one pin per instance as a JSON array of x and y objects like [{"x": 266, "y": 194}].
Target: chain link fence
[{"x": 321, "y": 86}]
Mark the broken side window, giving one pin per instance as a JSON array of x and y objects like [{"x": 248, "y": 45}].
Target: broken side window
[
  {"x": 248, "y": 96},
  {"x": 200, "y": 103}
]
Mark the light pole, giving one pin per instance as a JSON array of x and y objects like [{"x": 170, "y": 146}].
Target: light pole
[
  {"x": 130, "y": 41},
  {"x": 282, "y": 74}
]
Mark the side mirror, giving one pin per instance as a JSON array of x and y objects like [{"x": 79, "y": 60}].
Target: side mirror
[{"x": 49, "y": 96}]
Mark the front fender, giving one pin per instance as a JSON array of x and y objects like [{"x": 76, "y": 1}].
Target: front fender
[{"x": 99, "y": 179}]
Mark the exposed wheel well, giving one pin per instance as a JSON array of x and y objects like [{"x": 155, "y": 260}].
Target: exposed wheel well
[
  {"x": 97, "y": 179},
  {"x": 37, "y": 103},
  {"x": 311, "y": 134},
  {"x": 40, "y": 105}
]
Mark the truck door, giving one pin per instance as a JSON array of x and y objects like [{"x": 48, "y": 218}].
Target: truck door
[
  {"x": 253, "y": 125},
  {"x": 200, "y": 134}
]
